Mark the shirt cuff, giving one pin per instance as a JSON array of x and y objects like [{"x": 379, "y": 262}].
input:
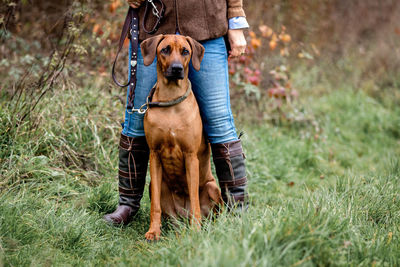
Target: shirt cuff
[{"x": 236, "y": 23}]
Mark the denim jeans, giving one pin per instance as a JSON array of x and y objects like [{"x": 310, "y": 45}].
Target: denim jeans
[{"x": 210, "y": 86}]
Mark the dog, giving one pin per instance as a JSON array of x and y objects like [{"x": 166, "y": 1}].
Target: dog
[{"x": 182, "y": 184}]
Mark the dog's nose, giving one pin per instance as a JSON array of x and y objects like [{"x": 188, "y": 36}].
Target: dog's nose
[{"x": 177, "y": 67}]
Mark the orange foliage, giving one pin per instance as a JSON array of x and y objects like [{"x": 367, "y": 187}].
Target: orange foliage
[
  {"x": 285, "y": 38},
  {"x": 255, "y": 42},
  {"x": 272, "y": 44},
  {"x": 114, "y": 5},
  {"x": 265, "y": 31},
  {"x": 97, "y": 29}
]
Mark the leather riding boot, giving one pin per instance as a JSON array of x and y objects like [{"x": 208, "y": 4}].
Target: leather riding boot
[
  {"x": 133, "y": 160},
  {"x": 231, "y": 171}
]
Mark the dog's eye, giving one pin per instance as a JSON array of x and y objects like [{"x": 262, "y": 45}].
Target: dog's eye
[
  {"x": 166, "y": 50},
  {"x": 185, "y": 52}
]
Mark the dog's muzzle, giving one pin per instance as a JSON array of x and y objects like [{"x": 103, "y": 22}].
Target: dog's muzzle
[{"x": 175, "y": 72}]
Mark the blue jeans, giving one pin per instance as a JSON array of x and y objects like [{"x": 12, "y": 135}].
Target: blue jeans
[{"x": 210, "y": 86}]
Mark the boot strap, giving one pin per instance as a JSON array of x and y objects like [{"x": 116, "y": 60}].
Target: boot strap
[
  {"x": 137, "y": 144},
  {"x": 126, "y": 175},
  {"x": 128, "y": 192},
  {"x": 225, "y": 151},
  {"x": 234, "y": 183},
  {"x": 239, "y": 198}
]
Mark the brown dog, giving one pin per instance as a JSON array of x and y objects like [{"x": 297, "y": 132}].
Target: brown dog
[{"x": 181, "y": 180}]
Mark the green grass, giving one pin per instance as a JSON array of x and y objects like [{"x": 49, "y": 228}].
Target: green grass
[{"x": 318, "y": 197}]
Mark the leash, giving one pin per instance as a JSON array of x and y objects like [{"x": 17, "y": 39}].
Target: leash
[
  {"x": 131, "y": 30},
  {"x": 158, "y": 13},
  {"x": 149, "y": 103},
  {"x": 131, "y": 26}
]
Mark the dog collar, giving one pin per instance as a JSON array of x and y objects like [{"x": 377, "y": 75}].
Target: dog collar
[
  {"x": 150, "y": 103},
  {"x": 176, "y": 101}
]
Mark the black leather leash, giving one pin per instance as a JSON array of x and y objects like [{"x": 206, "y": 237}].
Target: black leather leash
[
  {"x": 131, "y": 30},
  {"x": 157, "y": 11},
  {"x": 131, "y": 26}
]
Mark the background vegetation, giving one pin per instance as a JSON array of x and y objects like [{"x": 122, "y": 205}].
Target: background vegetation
[{"x": 317, "y": 95}]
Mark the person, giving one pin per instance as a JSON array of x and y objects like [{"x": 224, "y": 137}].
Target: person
[{"x": 207, "y": 22}]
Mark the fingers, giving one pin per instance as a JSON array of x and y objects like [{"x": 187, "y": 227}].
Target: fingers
[
  {"x": 237, "y": 41},
  {"x": 237, "y": 51},
  {"x": 134, "y": 3}
]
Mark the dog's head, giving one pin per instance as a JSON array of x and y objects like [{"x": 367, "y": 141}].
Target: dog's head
[{"x": 173, "y": 54}]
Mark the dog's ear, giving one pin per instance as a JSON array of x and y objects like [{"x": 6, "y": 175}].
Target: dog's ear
[
  {"x": 149, "y": 48},
  {"x": 197, "y": 52}
]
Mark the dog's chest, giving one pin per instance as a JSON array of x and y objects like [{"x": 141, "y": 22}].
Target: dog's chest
[
  {"x": 172, "y": 126},
  {"x": 171, "y": 133},
  {"x": 173, "y": 165},
  {"x": 170, "y": 150}
]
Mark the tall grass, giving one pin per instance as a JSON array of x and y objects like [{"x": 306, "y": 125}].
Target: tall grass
[
  {"x": 324, "y": 189},
  {"x": 326, "y": 197}
]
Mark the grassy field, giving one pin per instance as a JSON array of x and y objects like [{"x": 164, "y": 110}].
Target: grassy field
[{"x": 318, "y": 197}]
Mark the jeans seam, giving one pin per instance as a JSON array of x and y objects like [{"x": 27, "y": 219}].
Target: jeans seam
[
  {"x": 228, "y": 103},
  {"x": 126, "y": 126}
]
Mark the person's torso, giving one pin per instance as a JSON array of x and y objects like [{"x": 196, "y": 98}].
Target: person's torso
[{"x": 199, "y": 19}]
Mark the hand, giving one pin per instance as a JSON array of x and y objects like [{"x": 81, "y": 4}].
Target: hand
[
  {"x": 135, "y": 3},
  {"x": 237, "y": 41}
]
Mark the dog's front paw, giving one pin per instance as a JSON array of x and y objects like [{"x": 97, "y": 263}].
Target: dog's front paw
[{"x": 152, "y": 235}]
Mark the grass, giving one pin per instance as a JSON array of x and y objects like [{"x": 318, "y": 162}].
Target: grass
[{"x": 326, "y": 197}]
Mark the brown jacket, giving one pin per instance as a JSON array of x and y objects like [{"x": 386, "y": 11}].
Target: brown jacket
[{"x": 200, "y": 19}]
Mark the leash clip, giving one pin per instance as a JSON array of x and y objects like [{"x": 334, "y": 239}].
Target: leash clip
[
  {"x": 141, "y": 110},
  {"x": 155, "y": 10}
]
